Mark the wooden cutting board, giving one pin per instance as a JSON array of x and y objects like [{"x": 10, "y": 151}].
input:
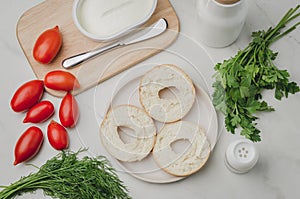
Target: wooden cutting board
[{"x": 57, "y": 12}]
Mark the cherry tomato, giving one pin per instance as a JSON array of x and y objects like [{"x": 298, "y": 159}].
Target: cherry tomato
[
  {"x": 39, "y": 112},
  {"x": 61, "y": 80},
  {"x": 57, "y": 136},
  {"x": 28, "y": 144},
  {"x": 27, "y": 95},
  {"x": 68, "y": 111},
  {"x": 47, "y": 45}
]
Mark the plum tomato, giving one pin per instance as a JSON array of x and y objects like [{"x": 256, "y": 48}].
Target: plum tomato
[
  {"x": 47, "y": 45},
  {"x": 28, "y": 144},
  {"x": 68, "y": 111},
  {"x": 27, "y": 95},
  {"x": 57, "y": 136},
  {"x": 39, "y": 112},
  {"x": 61, "y": 80}
]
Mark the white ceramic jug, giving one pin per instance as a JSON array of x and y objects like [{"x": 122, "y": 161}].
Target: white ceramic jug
[{"x": 220, "y": 21}]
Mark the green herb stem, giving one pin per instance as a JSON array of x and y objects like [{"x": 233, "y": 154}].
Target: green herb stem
[{"x": 285, "y": 33}]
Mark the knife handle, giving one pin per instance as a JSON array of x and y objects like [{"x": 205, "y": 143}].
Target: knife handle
[{"x": 82, "y": 57}]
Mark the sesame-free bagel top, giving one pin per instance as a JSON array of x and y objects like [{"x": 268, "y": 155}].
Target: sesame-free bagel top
[
  {"x": 166, "y": 109},
  {"x": 134, "y": 118},
  {"x": 191, "y": 158}
]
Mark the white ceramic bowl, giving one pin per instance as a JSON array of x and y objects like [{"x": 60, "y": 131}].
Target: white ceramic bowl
[{"x": 77, "y": 18}]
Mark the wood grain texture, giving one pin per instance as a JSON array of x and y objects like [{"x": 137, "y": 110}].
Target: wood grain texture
[{"x": 56, "y": 12}]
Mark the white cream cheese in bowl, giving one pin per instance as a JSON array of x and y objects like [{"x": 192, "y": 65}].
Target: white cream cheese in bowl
[{"x": 105, "y": 20}]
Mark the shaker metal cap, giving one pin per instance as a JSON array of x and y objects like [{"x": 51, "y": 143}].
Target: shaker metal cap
[{"x": 241, "y": 156}]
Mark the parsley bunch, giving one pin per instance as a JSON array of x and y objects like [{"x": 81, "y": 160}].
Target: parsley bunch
[{"x": 241, "y": 79}]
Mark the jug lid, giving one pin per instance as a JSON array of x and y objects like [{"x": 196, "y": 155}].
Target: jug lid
[{"x": 227, "y": 1}]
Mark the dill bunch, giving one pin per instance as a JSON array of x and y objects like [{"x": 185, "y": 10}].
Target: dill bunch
[{"x": 65, "y": 176}]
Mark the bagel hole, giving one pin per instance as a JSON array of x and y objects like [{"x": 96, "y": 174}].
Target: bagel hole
[
  {"x": 168, "y": 92},
  {"x": 181, "y": 145},
  {"x": 126, "y": 134}
]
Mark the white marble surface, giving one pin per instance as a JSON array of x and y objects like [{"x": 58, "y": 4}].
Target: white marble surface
[{"x": 276, "y": 176}]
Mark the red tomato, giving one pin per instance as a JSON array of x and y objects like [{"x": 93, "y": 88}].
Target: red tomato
[
  {"x": 47, "y": 45},
  {"x": 68, "y": 111},
  {"x": 61, "y": 80},
  {"x": 39, "y": 112},
  {"x": 28, "y": 144},
  {"x": 57, "y": 136},
  {"x": 27, "y": 95}
]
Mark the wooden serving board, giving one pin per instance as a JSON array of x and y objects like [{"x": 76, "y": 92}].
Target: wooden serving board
[{"x": 56, "y": 12}]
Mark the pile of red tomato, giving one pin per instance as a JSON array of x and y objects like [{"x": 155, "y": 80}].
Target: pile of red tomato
[{"x": 27, "y": 98}]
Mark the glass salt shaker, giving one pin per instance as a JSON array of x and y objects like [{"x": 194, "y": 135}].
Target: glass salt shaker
[
  {"x": 220, "y": 21},
  {"x": 241, "y": 156}
]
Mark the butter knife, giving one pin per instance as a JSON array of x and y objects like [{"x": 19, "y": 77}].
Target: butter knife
[{"x": 158, "y": 28}]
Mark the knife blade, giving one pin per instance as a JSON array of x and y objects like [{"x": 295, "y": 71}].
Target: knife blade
[{"x": 156, "y": 29}]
